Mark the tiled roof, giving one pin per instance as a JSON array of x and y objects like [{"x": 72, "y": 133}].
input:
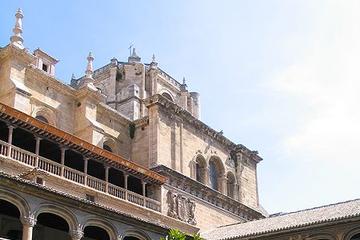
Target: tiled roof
[{"x": 324, "y": 214}]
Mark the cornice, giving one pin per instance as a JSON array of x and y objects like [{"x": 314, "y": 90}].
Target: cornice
[
  {"x": 174, "y": 109},
  {"x": 13, "y": 51},
  {"x": 207, "y": 194}
]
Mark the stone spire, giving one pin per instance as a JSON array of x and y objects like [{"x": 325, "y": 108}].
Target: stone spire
[
  {"x": 89, "y": 68},
  {"x": 134, "y": 57},
  {"x": 153, "y": 64},
  {"x": 17, "y": 38}
]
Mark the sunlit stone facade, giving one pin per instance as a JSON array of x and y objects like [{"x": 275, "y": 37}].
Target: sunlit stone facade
[{"x": 119, "y": 153}]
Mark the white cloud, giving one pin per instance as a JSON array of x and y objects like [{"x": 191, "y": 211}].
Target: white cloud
[{"x": 327, "y": 80}]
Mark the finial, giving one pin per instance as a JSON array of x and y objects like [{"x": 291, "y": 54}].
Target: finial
[
  {"x": 183, "y": 86},
  {"x": 89, "y": 67},
  {"x": 17, "y": 38},
  {"x": 73, "y": 76},
  {"x": 134, "y": 57},
  {"x": 153, "y": 64}
]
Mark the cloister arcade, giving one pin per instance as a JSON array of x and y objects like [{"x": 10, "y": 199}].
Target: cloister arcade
[{"x": 46, "y": 223}]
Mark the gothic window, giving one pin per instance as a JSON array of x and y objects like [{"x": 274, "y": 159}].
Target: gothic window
[
  {"x": 213, "y": 175},
  {"x": 42, "y": 118},
  {"x": 230, "y": 184},
  {"x": 216, "y": 173}
]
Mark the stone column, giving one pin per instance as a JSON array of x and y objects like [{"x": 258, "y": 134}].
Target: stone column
[
  {"x": 86, "y": 160},
  {"x": 126, "y": 184},
  {"x": 28, "y": 225},
  {"x": 62, "y": 158},
  {"x": 11, "y": 130},
  {"x": 37, "y": 151},
  {"x": 107, "y": 178},
  {"x": 144, "y": 188}
]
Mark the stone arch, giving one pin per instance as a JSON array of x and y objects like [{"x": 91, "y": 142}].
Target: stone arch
[
  {"x": 101, "y": 223},
  {"x": 134, "y": 233},
  {"x": 46, "y": 113},
  {"x": 321, "y": 236},
  {"x": 62, "y": 212},
  {"x": 16, "y": 200},
  {"x": 216, "y": 173},
  {"x": 230, "y": 184},
  {"x": 110, "y": 143},
  {"x": 168, "y": 95},
  {"x": 352, "y": 233}
]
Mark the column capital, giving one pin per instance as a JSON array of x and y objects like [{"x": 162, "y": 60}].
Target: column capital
[
  {"x": 76, "y": 234},
  {"x": 28, "y": 220},
  {"x": 10, "y": 126}
]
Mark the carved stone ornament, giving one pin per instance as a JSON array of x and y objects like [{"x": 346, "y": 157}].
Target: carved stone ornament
[
  {"x": 77, "y": 233},
  {"x": 28, "y": 220},
  {"x": 181, "y": 208}
]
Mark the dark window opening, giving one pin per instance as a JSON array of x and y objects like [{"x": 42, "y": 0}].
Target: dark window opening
[
  {"x": 50, "y": 150},
  {"x": 45, "y": 67},
  {"x": 23, "y": 139},
  {"x": 4, "y": 132},
  {"x": 49, "y": 225},
  {"x": 131, "y": 238},
  {"x": 119, "y": 76},
  {"x": 74, "y": 160},
  {"x": 90, "y": 198},
  {"x": 107, "y": 148},
  {"x": 116, "y": 177},
  {"x": 134, "y": 185},
  {"x": 95, "y": 233},
  {"x": 96, "y": 169},
  {"x": 355, "y": 237}
]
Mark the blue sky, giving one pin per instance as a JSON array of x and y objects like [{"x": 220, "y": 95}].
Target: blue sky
[{"x": 279, "y": 76}]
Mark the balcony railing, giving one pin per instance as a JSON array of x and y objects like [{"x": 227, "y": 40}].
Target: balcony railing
[{"x": 65, "y": 172}]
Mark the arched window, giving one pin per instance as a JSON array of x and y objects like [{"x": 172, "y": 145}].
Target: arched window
[
  {"x": 42, "y": 118},
  {"x": 216, "y": 172},
  {"x": 213, "y": 175},
  {"x": 200, "y": 169},
  {"x": 230, "y": 184},
  {"x": 167, "y": 96}
]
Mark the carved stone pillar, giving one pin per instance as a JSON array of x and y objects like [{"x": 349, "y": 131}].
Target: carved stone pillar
[{"x": 28, "y": 223}]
